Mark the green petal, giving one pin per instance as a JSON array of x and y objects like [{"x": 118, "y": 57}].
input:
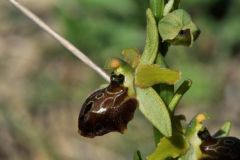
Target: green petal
[
  {"x": 131, "y": 56},
  {"x": 149, "y": 75}
]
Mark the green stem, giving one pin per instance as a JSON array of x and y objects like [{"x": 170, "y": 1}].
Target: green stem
[{"x": 164, "y": 90}]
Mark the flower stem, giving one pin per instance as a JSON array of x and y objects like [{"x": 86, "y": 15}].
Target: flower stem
[{"x": 165, "y": 91}]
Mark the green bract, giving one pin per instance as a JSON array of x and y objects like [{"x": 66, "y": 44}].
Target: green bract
[
  {"x": 182, "y": 89},
  {"x": 155, "y": 110},
  {"x": 152, "y": 40}
]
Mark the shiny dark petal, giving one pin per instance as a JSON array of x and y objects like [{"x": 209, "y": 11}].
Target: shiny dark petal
[
  {"x": 224, "y": 148},
  {"x": 113, "y": 120},
  {"x": 107, "y": 110}
]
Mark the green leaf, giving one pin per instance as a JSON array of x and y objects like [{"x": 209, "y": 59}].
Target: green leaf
[
  {"x": 152, "y": 40},
  {"x": 137, "y": 156},
  {"x": 131, "y": 56},
  {"x": 224, "y": 130},
  {"x": 172, "y": 147},
  {"x": 154, "y": 109},
  {"x": 149, "y": 75},
  {"x": 178, "y": 28}
]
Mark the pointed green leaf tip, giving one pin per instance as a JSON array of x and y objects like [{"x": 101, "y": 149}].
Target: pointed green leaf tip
[
  {"x": 155, "y": 110},
  {"x": 152, "y": 40},
  {"x": 149, "y": 75},
  {"x": 169, "y": 148},
  {"x": 178, "y": 28}
]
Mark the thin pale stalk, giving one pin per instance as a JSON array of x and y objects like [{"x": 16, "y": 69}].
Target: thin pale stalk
[{"x": 60, "y": 39}]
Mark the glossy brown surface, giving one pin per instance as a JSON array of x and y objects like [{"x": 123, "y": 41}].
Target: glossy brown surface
[
  {"x": 106, "y": 110},
  {"x": 225, "y": 148}
]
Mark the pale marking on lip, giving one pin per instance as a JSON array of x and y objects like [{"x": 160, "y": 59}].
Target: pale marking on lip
[
  {"x": 101, "y": 110},
  {"x": 109, "y": 92},
  {"x": 99, "y": 96}
]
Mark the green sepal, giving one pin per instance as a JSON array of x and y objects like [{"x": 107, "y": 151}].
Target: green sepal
[
  {"x": 131, "y": 56},
  {"x": 171, "y": 147},
  {"x": 121, "y": 67},
  {"x": 149, "y": 75},
  {"x": 196, "y": 124},
  {"x": 137, "y": 156},
  {"x": 178, "y": 28},
  {"x": 152, "y": 40},
  {"x": 155, "y": 110},
  {"x": 224, "y": 130}
]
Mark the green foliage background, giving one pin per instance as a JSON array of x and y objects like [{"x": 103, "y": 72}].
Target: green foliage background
[{"x": 42, "y": 86}]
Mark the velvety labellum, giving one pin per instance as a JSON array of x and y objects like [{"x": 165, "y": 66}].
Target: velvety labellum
[
  {"x": 224, "y": 148},
  {"x": 106, "y": 110}
]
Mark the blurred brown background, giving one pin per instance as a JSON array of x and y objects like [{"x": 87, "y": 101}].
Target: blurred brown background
[{"x": 42, "y": 86}]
